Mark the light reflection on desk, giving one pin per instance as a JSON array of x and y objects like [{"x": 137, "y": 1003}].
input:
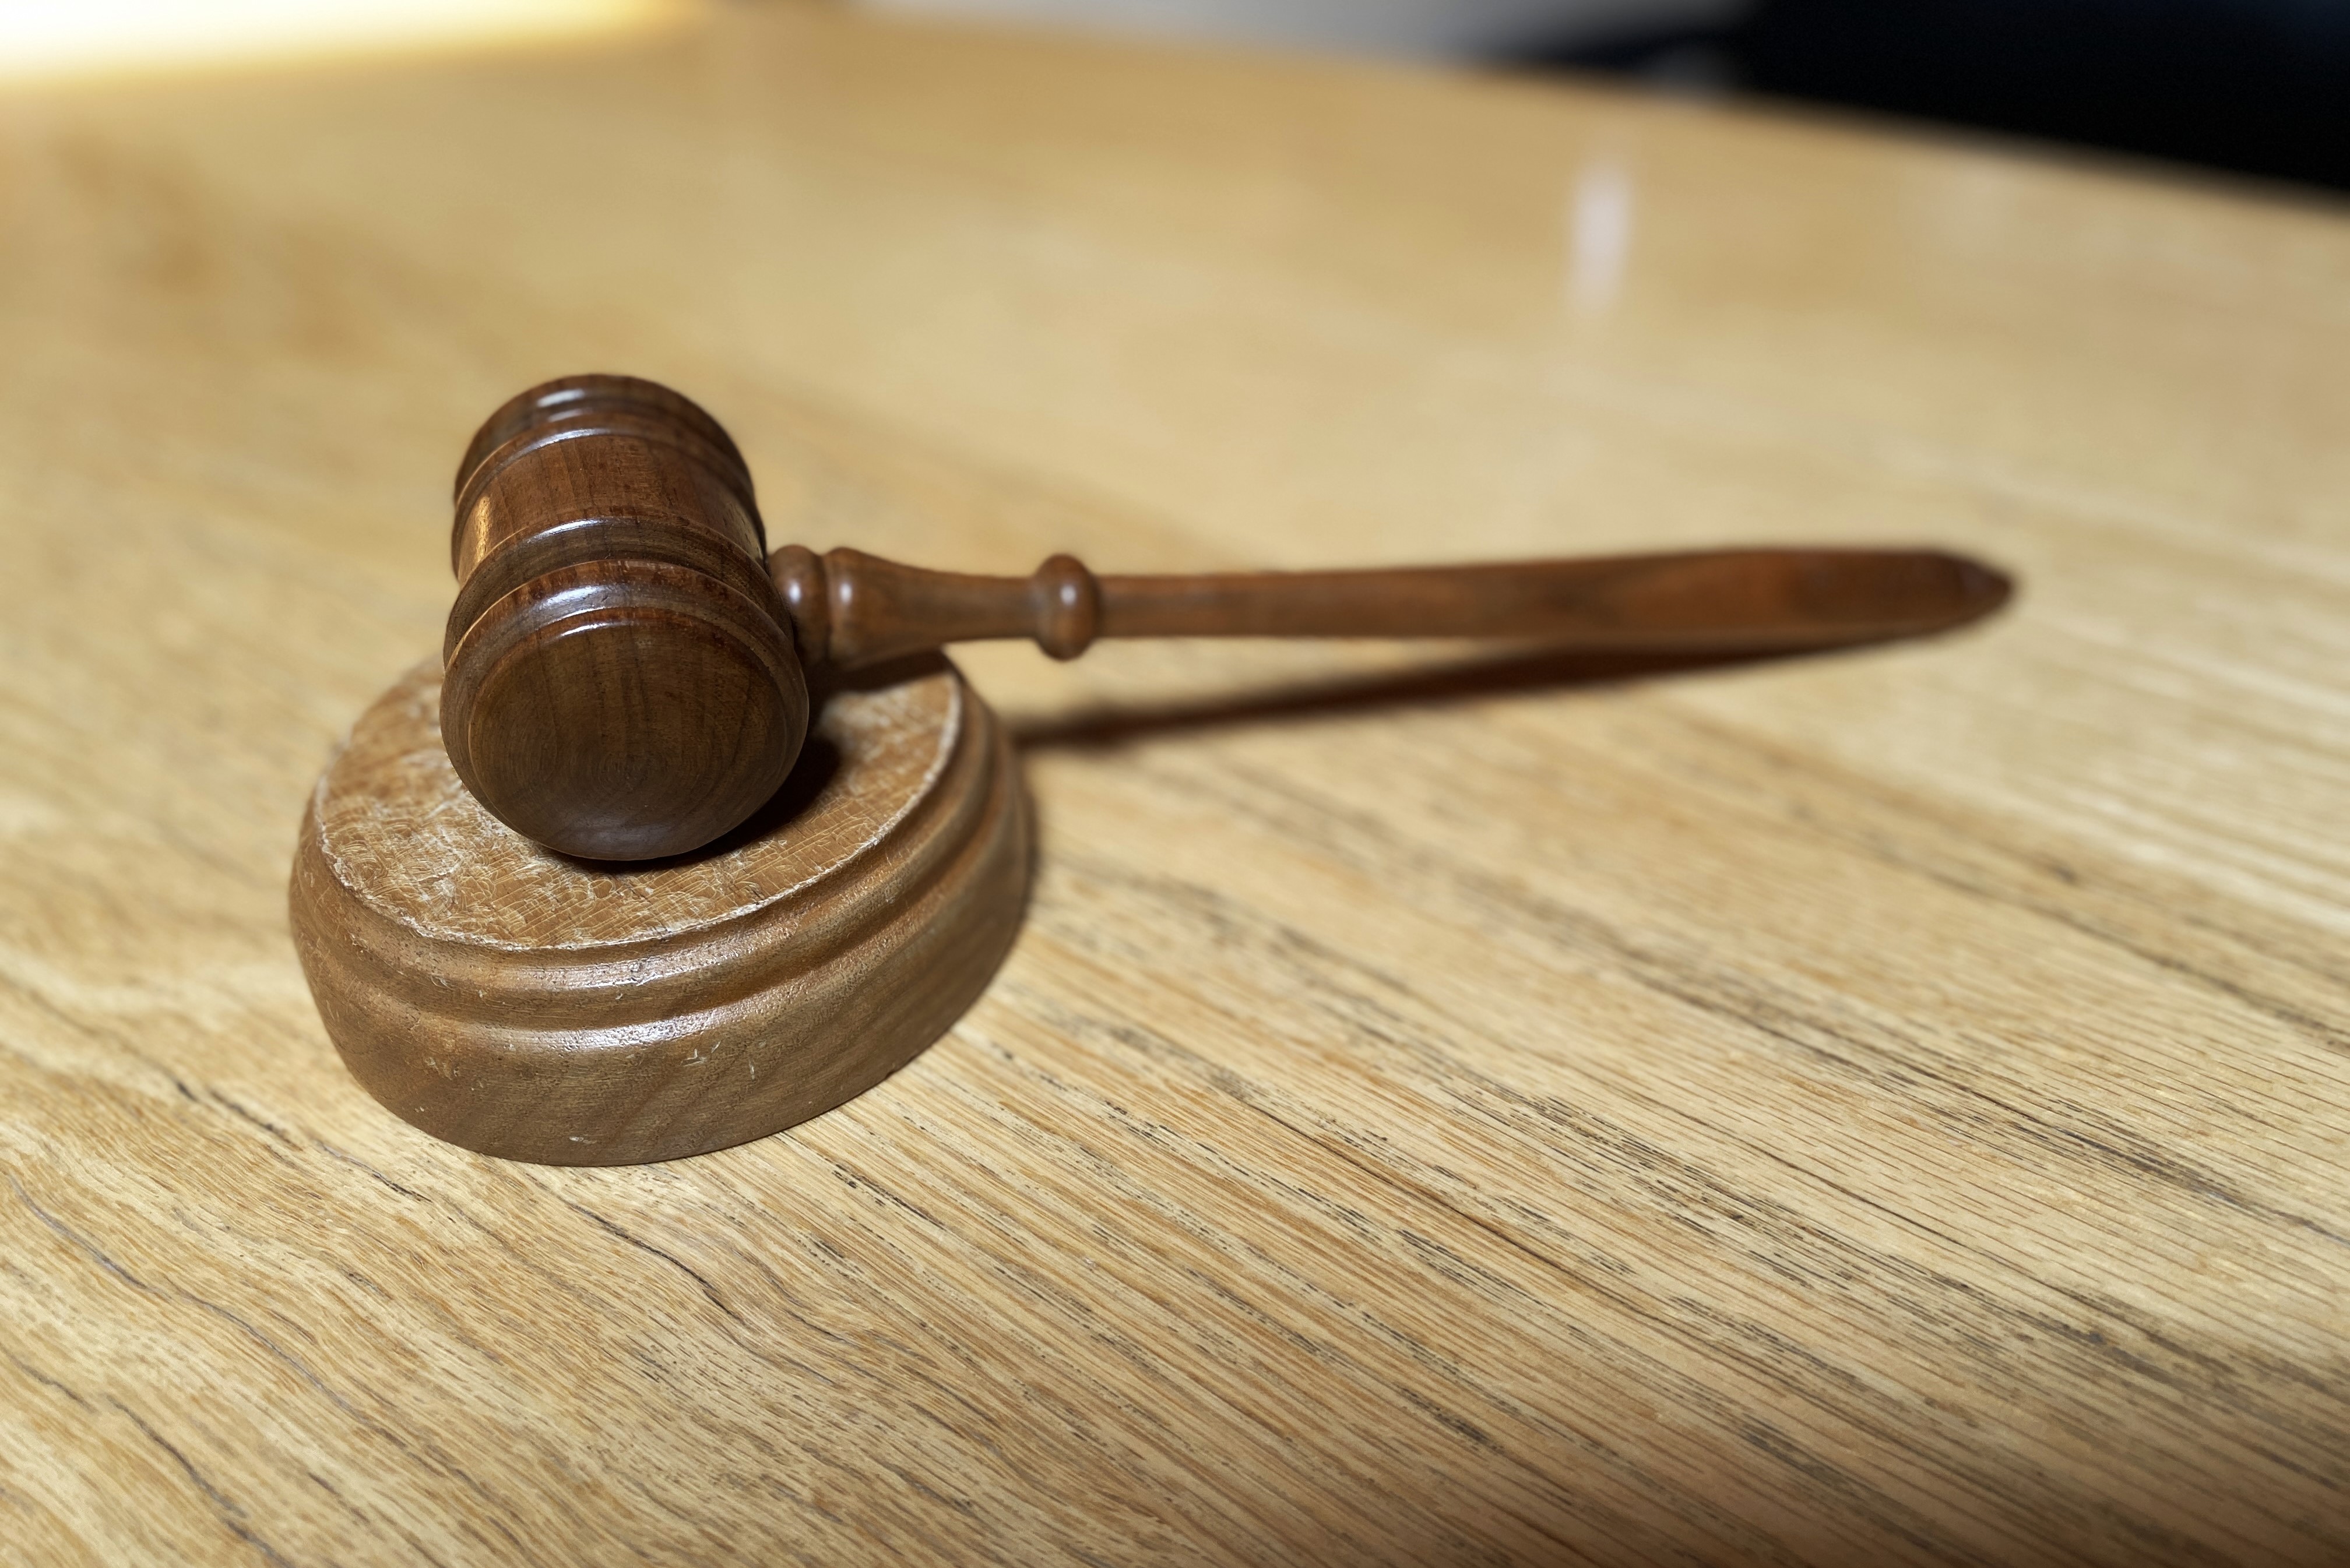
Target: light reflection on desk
[{"x": 98, "y": 38}]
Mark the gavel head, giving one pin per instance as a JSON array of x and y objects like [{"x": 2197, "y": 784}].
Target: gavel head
[{"x": 622, "y": 683}]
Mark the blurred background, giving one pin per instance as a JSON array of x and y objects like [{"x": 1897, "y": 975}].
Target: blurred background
[
  {"x": 2255, "y": 87},
  {"x": 2251, "y": 87}
]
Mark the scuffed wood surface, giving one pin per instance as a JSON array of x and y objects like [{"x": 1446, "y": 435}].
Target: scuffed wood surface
[
  {"x": 1887, "y": 1107},
  {"x": 397, "y": 828}
]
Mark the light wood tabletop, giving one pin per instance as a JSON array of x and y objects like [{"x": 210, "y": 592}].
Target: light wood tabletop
[{"x": 1891, "y": 1107}]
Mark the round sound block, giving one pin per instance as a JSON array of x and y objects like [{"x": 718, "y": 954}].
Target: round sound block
[{"x": 510, "y": 999}]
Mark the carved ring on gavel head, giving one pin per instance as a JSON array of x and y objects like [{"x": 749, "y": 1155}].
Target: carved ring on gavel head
[{"x": 627, "y": 668}]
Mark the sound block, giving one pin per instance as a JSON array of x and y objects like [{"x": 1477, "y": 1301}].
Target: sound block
[{"x": 506, "y": 998}]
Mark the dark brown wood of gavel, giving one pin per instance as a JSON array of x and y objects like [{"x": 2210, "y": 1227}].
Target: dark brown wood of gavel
[{"x": 627, "y": 666}]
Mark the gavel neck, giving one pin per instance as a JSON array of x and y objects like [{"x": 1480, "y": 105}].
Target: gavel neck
[{"x": 848, "y": 609}]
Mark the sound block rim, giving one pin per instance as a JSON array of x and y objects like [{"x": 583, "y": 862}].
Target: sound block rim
[{"x": 658, "y": 1043}]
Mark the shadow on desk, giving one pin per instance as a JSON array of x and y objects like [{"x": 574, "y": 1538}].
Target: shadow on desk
[{"x": 1105, "y": 726}]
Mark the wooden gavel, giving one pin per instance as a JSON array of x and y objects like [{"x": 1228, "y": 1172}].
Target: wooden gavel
[{"x": 626, "y": 666}]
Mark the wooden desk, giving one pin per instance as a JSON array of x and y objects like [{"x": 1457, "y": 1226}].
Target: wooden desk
[{"x": 1887, "y": 1107}]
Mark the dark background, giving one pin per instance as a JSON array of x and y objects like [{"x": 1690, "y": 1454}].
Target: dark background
[{"x": 2253, "y": 87}]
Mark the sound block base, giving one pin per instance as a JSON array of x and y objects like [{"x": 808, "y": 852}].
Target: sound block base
[{"x": 515, "y": 1001}]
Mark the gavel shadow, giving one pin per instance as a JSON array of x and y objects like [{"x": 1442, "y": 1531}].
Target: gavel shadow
[
  {"x": 1105, "y": 727},
  {"x": 1523, "y": 670}
]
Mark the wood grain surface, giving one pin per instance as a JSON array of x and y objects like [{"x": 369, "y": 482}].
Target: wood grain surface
[{"x": 1886, "y": 1107}]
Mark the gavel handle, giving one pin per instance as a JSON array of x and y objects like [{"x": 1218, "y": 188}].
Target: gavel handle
[{"x": 850, "y": 609}]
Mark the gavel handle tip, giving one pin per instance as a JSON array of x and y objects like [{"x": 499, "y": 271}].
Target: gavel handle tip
[{"x": 1983, "y": 588}]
